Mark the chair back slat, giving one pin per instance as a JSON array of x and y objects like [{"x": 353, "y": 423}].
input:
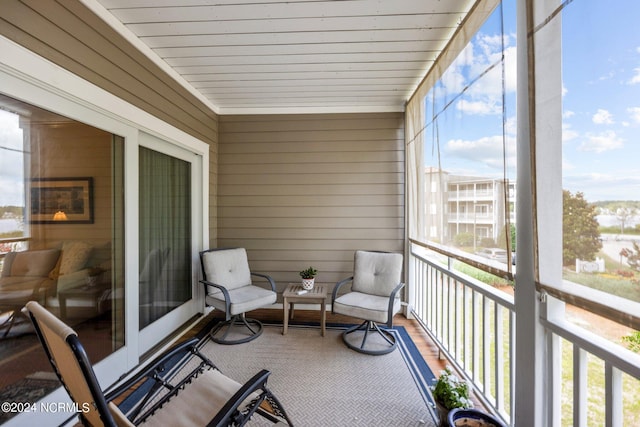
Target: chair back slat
[{"x": 71, "y": 365}]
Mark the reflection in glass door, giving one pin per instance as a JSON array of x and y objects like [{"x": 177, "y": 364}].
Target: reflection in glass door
[{"x": 164, "y": 234}]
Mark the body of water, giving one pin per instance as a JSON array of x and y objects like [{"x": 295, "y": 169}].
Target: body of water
[
  {"x": 611, "y": 220},
  {"x": 9, "y": 224}
]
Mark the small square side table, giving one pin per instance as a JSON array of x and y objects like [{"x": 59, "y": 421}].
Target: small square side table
[
  {"x": 86, "y": 293},
  {"x": 291, "y": 295}
]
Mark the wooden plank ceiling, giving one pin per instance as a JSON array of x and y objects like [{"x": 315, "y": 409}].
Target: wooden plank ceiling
[{"x": 266, "y": 56}]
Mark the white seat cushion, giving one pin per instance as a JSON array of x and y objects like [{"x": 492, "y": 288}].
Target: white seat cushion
[
  {"x": 243, "y": 299},
  {"x": 365, "y": 306}
]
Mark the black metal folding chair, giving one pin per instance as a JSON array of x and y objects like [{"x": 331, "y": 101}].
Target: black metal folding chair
[{"x": 180, "y": 388}]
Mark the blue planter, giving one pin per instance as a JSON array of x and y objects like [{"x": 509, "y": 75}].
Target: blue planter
[{"x": 472, "y": 415}]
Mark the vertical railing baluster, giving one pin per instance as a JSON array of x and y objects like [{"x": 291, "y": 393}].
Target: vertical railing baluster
[
  {"x": 499, "y": 357},
  {"x": 579, "y": 387},
  {"x": 450, "y": 347},
  {"x": 613, "y": 395},
  {"x": 486, "y": 348},
  {"x": 465, "y": 328},
  {"x": 475, "y": 347},
  {"x": 512, "y": 364},
  {"x": 456, "y": 320}
]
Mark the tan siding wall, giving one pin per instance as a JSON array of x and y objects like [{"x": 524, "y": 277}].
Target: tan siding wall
[
  {"x": 213, "y": 196},
  {"x": 70, "y": 35},
  {"x": 300, "y": 190}
]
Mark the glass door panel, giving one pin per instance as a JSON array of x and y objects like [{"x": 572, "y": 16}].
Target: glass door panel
[{"x": 164, "y": 235}]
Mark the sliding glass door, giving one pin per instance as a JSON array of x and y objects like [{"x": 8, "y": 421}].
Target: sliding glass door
[
  {"x": 165, "y": 234},
  {"x": 167, "y": 178}
]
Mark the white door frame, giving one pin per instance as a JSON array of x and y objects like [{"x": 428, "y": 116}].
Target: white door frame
[{"x": 33, "y": 79}]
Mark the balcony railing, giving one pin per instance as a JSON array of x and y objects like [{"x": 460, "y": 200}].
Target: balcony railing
[
  {"x": 471, "y": 218},
  {"x": 14, "y": 244},
  {"x": 464, "y": 316},
  {"x": 589, "y": 380}
]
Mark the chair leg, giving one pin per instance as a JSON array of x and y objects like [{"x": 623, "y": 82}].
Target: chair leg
[
  {"x": 366, "y": 327},
  {"x": 237, "y": 323},
  {"x": 15, "y": 318}
]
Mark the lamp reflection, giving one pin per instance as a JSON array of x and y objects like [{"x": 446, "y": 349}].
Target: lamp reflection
[{"x": 60, "y": 216}]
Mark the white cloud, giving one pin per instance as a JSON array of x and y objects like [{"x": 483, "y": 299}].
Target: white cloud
[
  {"x": 634, "y": 112},
  {"x": 568, "y": 134},
  {"x": 604, "y": 186},
  {"x": 602, "y": 117},
  {"x": 568, "y": 114},
  {"x": 486, "y": 150},
  {"x": 636, "y": 78},
  {"x": 566, "y": 165},
  {"x": 599, "y": 143},
  {"x": 482, "y": 108},
  {"x": 610, "y": 75},
  {"x": 485, "y": 95}
]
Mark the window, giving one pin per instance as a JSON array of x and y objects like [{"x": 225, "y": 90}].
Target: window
[
  {"x": 12, "y": 178},
  {"x": 467, "y": 143},
  {"x": 54, "y": 168},
  {"x": 600, "y": 130}
]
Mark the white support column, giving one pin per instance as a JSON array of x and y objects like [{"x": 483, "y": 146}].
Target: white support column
[
  {"x": 530, "y": 342},
  {"x": 539, "y": 204}
]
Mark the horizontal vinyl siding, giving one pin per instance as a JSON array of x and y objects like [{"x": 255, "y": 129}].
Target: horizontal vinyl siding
[
  {"x": 68, "y": 34},
  {"x": 300, "y": 190}
]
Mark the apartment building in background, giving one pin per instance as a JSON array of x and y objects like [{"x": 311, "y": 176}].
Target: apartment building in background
[{"x": 472, "y": 204}]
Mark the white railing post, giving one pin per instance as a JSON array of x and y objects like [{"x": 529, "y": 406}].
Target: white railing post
[
  {"x": 579, "y": 387},
  {"x": 613, "y": 395}
]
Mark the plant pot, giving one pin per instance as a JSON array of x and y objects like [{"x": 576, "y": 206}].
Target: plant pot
[
  {"x": 443, "y": 414},
  {"x": 471, "y": 418},
  {"x": 308, "y": 283}
]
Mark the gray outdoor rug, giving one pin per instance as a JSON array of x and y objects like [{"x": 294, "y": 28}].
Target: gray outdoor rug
[{"x": 320, "y": 382}]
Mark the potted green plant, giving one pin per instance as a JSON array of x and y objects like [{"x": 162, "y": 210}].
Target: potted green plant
[
  {"x": 459, "y": 417},
  {"x": 308, "y": 277},
  {"x": 450, "y": 392}
]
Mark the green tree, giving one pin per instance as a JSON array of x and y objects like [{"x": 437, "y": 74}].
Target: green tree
[
  {"x": 502, "y": 238},
  {"x": 581, "y": 237},
  {"x": 463, "y": 239}
]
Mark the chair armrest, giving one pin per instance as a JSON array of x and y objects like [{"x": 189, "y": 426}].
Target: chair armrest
[
  {"x": 257, "y": 382},
  {"x": 269, "y": 278},
  {"x": 186, "y": 347},
  {"x": 392, "y": 298},
  {"x": 334, "y": 294},
  {"x": 225, "y": 293}
]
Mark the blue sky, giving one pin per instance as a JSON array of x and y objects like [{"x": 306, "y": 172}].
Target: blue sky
[
  {"x": 601, "y": 105},
  {"x": 601, "y": 102},
  {"x": 601, "y": 111},
  {"x": 11, "y": 180},
  {"x": 470, "y": 130}
]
